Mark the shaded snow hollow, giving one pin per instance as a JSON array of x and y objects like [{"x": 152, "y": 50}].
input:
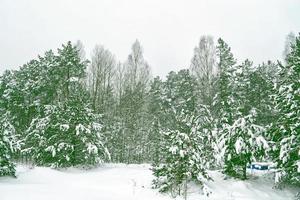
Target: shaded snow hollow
[{"x": 125, "y": 182}]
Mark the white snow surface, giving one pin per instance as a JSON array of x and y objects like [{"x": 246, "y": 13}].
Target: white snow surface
[{"x": 127, "y": 182}]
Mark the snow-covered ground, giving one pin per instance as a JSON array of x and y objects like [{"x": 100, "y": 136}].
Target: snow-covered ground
[{"x": 125, "y": 182}]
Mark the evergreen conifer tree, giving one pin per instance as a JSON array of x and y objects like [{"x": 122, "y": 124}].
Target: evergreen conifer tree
[
  {"x": 66, "y": 132},
  {"x": 223, "y": 105},
  {"x": 286, "y": 132},
  {"x": 182, "y": 145},
  {"x": 8, "y": 144},
  {"x": 242, "y": 144}
]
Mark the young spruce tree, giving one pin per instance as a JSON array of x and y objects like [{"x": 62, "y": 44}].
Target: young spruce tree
[{"x": 182, "y": 145}]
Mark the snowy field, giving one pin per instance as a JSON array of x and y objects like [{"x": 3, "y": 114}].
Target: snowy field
[{"x": 125, "y": 182}]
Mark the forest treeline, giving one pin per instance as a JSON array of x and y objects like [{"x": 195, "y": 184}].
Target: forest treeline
[{"x": 62, "y": 110}]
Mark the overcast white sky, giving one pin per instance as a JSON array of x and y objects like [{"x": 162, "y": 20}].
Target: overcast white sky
[{"x": 167, "y": 29}]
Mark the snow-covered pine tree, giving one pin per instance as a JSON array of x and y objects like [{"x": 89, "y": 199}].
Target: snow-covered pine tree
[
  {"x": 240, "y": 84},
  {"x": 66, "y": 132},
  {"x": 183, "y": 157},
  {"x": 8, "y": 144},
  {"x": 208, "y": 136},
  {"x": 262, "y": 80},
  {"x": 23, "y": 92},
  {"x": 70, "y": 69},
  {"x": 182, "y": 146},
  {"x": 242, "y": 143},
  {"x": 223, "y": 108},
  {"x": 286, "y": 133},
  {"x": 67, "y": 135}
]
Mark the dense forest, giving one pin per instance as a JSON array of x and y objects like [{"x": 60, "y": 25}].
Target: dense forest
[{"x": 62, "y": 110}]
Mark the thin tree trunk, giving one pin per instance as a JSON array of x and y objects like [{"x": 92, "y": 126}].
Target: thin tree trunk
[
  {"x": 185, "y": 190},
  {"x": 244, "y": 172}
]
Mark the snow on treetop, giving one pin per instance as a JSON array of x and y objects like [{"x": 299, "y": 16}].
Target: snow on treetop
[
  {"x": 74, "y": 79},
  {"x": 64, "y": 127}
]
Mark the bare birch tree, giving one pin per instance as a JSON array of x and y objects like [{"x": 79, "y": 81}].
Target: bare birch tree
[
  {"x": 289, "y": 41},
  {"x": 102, "y": 69},
  {"x": 203, "y": 67},
  {"x": 137, "y": 69},
  {"x": 133, "y": 104}
]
